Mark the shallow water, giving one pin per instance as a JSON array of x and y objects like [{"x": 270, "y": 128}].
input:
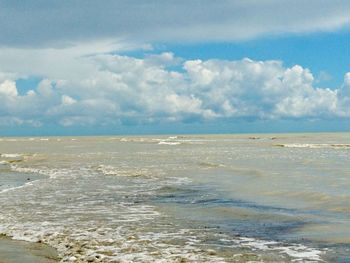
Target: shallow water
[
  {"x": 14, "y": 251},
  {"x": 200, "y": 198}
]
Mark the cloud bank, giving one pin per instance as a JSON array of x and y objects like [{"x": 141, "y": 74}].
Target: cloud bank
[
  {"x": 44, "y": 23},
  {"x": 162, "y": 88}
]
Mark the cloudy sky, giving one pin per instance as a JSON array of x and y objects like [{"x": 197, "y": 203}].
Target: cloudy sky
[{"x": 128, "y": 67}]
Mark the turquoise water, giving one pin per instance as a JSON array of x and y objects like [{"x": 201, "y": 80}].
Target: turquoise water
[{"x": 203, "y": 198}]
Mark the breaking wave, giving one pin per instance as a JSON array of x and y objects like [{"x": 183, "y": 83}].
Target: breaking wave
[{"x": 314, "y": 145}]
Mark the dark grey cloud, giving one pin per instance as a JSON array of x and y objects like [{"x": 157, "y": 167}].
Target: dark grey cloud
[{"x": 47, "y": 23}]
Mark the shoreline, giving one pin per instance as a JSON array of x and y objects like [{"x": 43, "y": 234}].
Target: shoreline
[{"x": 16, "y": 251}]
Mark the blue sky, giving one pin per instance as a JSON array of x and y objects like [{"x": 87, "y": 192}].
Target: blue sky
[
  {"x": 126, "y": 67},
  {"x": 319, "y": 52}
]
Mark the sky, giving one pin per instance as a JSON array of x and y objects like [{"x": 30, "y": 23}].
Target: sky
[{"x": 84, "y": 67}]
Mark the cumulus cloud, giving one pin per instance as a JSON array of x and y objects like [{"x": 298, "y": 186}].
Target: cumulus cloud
[
  {"x": 71, "y": 45},
  {"x": 8, "y": 89},
  {"x": 66, "y": 100},
  {"x": 344, "y": 97},
  {"x": 119, "y": 89},
  {"x": 58, "y": 23}
]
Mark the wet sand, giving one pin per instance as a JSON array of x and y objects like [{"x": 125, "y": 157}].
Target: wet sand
[{"x": 14, "y": 251}]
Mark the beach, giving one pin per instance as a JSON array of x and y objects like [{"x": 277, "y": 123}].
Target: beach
[
  {"x": 13, "y": 251},
  {"x": 179, "y": 198}
]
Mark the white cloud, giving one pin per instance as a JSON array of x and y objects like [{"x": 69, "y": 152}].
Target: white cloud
[
  {"x": 345, "y": 90},
  {"x": 66, "y": 100},
  {"x": 116, "y": 89},
  {"x": 8, "y": 88},
  {"x": 83, "y": 83}
]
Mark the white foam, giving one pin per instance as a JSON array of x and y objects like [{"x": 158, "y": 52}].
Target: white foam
[
  {"x": 298, "y": 252},
  {"x": 10, "y": 155},
  {"x": 128, "y": 172},
  {"x": 134, "y": 139},
  {"x": 91, "y": 223},
  {"x": 315, "y": 145},
  {"x": 91, "y": 226},
  {"x": 169, "y": 143}
]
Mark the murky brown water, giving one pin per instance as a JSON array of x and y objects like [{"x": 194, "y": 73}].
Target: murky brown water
[{"x": 215, "y": 198}]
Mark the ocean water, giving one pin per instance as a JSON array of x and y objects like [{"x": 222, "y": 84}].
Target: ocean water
[{"x": 198, "y": 198}]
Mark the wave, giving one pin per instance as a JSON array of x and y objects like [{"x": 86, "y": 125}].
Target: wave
[
  {"x": 100, "y": 220},
  {"x": 298, "y": 252},
  {"x": 136, "y": 139},
  {"x": 111, "y": 170},
  {"x": 23, "y": 139},
  {"x": 171, "y": 140},
  {"x": 10, "y": 155},
  {"x": 169, "y": 143},
  {"x": 175, "y": 140},
  {"x": 11, "y": 188},
  {"x": 209, "y": 165},
  {"x": 11, "y": 158},
  {"x": 315, "y": 145}
]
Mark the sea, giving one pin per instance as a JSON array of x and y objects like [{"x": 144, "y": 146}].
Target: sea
[{"x": 180, "y": 198}]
